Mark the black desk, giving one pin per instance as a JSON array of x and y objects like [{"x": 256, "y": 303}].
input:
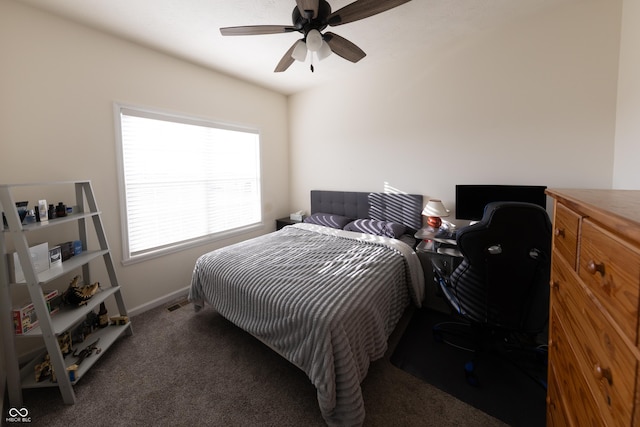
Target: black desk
[{"x": 447, "y": 258}]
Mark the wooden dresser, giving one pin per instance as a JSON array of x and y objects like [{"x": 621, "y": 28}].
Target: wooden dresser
[{"x": 593, "y": 320}]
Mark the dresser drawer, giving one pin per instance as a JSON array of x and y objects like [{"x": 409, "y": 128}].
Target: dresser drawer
[
  {"x": 568, "y": 377},
  {"x": 611, "y": 270},
  {"x": 565, "y": 233},
  {"x": 606, "y": 360},
  {"x": 556, "y": 411}
]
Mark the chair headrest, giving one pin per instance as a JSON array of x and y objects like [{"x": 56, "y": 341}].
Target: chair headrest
[{"x": 506, "y": 223}]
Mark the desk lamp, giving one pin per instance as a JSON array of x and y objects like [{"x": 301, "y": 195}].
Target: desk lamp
[{"x": 433, "y": 210}]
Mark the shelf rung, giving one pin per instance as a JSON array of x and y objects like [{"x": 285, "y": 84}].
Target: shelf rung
[
  {"x": 106, "y": 336},
  {"x": 55, "y": 221},
  {"x": 69, "y": 316},
  {"x": 67, "y": 266}
]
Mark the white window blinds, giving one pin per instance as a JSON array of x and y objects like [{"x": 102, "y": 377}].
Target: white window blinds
[{"x": 185, "y": 180}]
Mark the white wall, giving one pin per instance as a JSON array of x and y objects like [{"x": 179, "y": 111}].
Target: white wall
[
  {"x": 627, "y": 153},
  {"x": 58, "y": 83},
  {"x": 530, "y": 103}
]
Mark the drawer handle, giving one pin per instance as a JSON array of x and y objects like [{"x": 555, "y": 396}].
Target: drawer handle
[
  {"x": 551, "y": 403},
  {"x": 559, "y": 232},
  {"x": 595, "y": 267},
  {"x": 601, "y": 373},
  {"x": 554, "y": 284}
]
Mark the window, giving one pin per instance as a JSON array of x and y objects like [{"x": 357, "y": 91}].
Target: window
[{"x": 184, "y": 181}]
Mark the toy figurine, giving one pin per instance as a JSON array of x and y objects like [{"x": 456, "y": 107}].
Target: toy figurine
[
  {"x": 64, "y": 342},
  {"x": 44, "y": 370},
  {"x": 79, "y": 295},
  {"x": 86, "y": 352}
]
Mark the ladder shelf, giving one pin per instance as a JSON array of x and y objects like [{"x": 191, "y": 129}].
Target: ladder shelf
[{"x": 51, "y": 327}]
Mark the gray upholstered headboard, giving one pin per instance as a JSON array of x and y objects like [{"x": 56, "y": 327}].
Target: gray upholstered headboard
[{"x": 397, "y": 207}]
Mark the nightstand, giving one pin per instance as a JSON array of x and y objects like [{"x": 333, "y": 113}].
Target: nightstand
[{"x": 282, "y": 222}]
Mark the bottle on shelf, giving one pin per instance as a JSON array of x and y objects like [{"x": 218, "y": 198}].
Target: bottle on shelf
[
  {"x": 103, "y": 316},
  {"x": 61, "y": 210}
]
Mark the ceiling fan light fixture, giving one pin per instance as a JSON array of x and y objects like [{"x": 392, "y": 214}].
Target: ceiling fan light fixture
[
  {"x": 300, "y": 51},
  {"x": 314, "y": 40},
  {"x": 324, "y": 51}
]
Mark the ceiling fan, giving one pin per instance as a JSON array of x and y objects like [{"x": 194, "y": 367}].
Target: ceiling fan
[{"x": 310, "y": 18}]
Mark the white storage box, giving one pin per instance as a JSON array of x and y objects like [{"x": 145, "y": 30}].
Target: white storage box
[{"x": 40, "y": 258}]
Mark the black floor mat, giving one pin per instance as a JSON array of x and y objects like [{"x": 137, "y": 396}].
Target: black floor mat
[{"x": 505, "y": 391}]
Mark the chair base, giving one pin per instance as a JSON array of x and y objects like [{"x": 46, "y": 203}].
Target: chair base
[
  {"x": 507, "y": 346},
  {"x": 454, "y": 334}
]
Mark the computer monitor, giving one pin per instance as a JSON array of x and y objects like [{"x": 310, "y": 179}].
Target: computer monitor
[{"x": 471, "y": 199}]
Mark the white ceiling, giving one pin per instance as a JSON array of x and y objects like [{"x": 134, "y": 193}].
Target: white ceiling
[{"x": 189, "y": 29}]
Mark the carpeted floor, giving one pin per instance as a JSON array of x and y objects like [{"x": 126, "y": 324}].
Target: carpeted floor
[
  {"x": 503, "y": 390},
  {"x": 182, "y": 368}
]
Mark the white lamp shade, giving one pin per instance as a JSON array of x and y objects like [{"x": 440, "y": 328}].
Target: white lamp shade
[
  {"x": 434, "y": 207},
  {"x": 300, "y": 51},
  {"x": 324, "y": 51},
  {"x": 314, "y": 40}
]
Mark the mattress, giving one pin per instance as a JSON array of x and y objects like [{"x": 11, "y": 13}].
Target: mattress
[{"x": 325, "y": 299}]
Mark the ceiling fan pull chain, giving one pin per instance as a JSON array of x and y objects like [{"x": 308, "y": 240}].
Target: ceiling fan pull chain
[{"x": 311, "y": 62}]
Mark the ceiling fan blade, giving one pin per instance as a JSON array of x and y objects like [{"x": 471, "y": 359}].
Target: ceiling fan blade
[
  {"x": 286, "y": 60},
  {"x": 361, "y": 9},
  {"x": 343, "y": 47},
  {"x": 253, "y": 30},
  {"x": 308, "y": 6}
]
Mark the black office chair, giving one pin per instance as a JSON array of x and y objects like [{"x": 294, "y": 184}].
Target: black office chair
[{"x": 501, "y": 288}]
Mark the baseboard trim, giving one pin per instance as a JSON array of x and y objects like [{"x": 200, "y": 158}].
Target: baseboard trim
[{"x": 179, "y": 294}]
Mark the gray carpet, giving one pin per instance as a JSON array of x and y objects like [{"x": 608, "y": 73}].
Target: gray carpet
[{"x": 182, "y": 368}]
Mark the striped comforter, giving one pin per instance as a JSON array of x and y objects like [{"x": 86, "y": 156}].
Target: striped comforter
[{"x": 325, "y": 299}]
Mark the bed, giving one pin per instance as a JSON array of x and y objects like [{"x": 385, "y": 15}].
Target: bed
[{"x": 325, "y": 294}]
